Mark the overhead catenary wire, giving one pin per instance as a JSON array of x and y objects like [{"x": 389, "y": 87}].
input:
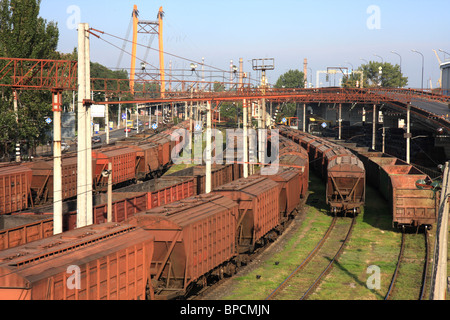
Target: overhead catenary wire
[{"x": 157, "y": 50}]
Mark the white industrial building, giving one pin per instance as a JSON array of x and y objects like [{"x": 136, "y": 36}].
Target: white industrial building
[{"x": 445, "y": 77}]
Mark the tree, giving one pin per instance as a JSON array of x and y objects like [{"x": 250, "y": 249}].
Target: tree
[
  {"x": 390, "y": 76},
  {"x": 291, "y": 79},
  {"x": 23, "y": 34}
]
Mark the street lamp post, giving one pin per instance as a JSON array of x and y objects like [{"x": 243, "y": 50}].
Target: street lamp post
[
  {"x": 400, "y": 80},
  {"x": 382, "y": 60},
  {"x": 422, "y": 63}
]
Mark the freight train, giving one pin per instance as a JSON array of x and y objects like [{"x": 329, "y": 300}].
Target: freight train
[
  {"x": 411, "y": 205},
  {"x": 164, "y": 252},
  {"x": 342, "y": 171},
  {"x": 31, "y": 183}
]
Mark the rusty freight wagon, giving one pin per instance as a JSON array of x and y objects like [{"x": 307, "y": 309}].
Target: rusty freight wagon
[
  {"x": 42, "y": 181},
  {"x": 258, "y": 199},
  {"x": 290, "y": 194},
  {"x": 147, "y": 162},
  {"x": 123, "y": 161},
  {"x": 220, "y": 174},
  {"x": 410, "y": 206},
  {"x": 346, "y": 184},
  {"x": 194, "y": 239},
  {"x": 99, "y": 262},
  {"x": 15, "y": 184}
]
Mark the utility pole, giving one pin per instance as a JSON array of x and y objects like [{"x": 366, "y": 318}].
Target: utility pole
[
  {"x": 57, "y": 163},
  {"x": 16, "y": 112},
  {"x": 304, "y": 117},
  {"x": 245, "y": 129},
  {"x": 82, "y": 129},
  {"x": 84, "y": 149},
  {"x": 340, "y": 121},
  {"x": 208, "y": 187},
  {"x": 374, "y": 126},
  {"x": 408, "y": 133},
  {"x": 107, "y": 120},
  {"x": 109, "y": 210},
  {"x": 439, "y": 273},
  {"x": 88, "y": 177}
]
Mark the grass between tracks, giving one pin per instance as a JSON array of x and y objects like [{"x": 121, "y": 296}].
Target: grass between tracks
[{"x": 373, "y": 243}]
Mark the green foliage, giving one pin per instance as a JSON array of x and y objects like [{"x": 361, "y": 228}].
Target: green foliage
[
  {"x": 390, "y": 77},
  {"x": 291, "y": 79},
  {"x": 23, "y": 34}
]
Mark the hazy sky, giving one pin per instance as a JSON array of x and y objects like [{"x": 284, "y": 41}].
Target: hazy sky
[{"x": 327, "y": 33}]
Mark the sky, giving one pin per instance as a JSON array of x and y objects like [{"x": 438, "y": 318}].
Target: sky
[{"x": 327, "y": 33}]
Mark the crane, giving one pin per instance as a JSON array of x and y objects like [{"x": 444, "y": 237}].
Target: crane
[{"x": 440, "y": 62}]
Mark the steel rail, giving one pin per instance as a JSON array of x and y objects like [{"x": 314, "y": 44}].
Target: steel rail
[
  {"x": 425, "y": 268},
  {"x": 330, "y": 265},
  {"x": 394, "y": 276},
  {"x": 311, "y": 255},
  {"x": 426, "y": 264}
]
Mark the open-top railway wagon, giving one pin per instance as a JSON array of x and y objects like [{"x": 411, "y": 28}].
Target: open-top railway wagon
[{"x": 396, "y": 180}]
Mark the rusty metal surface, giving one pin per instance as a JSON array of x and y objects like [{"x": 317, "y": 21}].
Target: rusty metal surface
[
  {"x": 258, "y": 199},
  {"x": 192, "y": 237},
  {"x": 123, "y": 161},
  {"x": 15, "y": 184},
  {"x": 148, "y": 163},
  {"x": 113, "y": 260},
  {"x": 409, "y": 205}
]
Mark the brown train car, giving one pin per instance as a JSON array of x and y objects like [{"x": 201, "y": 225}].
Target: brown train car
[
  {"x": 194, "y": 238},
  {"x": 42, "y": 181},
  {"x": 290, "y": 194},
  {"x": 123, "y": 161},
  {"x": 126, "y": 203},
  {"x": 346, "y": 184},
  {"x": 410, "y": 206},
  {"x": 164, "y": 152},
  {"x": 147, "y": 165},
  {"x": 16, "y": 236},
  {"x": 15, "y": 184},
  {"x": 99, "y": 262},
  {"x": 220, "y": 174},
  {"x": 258, "y": 199}
]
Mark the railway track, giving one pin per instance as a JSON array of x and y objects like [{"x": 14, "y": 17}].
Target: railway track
[
  {"x": 321, "y": 258},
  {"x": 396, "y": 290}
]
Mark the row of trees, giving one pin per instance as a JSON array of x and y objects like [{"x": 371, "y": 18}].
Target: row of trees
[{"x": 24, "y": 34}]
